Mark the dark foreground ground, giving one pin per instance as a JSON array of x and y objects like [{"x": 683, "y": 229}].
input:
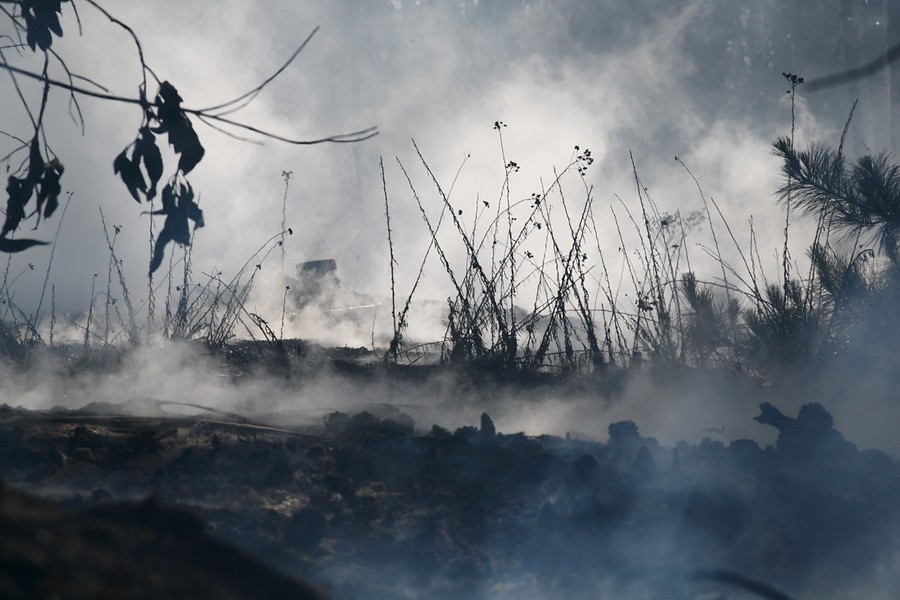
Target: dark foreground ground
[{"x": 367, "y": 506}]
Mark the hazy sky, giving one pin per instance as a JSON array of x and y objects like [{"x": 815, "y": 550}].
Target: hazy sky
[{"x": 700, "y": 79}]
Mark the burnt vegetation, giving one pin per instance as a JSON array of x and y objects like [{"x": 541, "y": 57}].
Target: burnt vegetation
[{"x": 536, "y": 293}]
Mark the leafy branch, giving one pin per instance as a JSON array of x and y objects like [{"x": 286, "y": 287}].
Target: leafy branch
[{"x": 140, "y": 163}]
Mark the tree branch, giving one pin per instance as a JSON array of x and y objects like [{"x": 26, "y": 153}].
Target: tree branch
[
  {"x": 342, "y": 138},
  {"x": 251, "y": 95}
]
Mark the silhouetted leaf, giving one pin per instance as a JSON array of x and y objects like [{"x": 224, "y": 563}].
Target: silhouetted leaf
[
  {"x": 159, "y": 250},
  {"x": 41, "y": 18},
  {"x": 52, "y": 22},
  {"x": 119, "y": 164},
  {"x": 168, "y": 200},
  {"x": 188, "y": 206},
  {"x": 195, "y": 214},
  {"x": 35, "y": 162},
  {"x": 179, "y": 208},
  {"x": 50, "y": 188},
  {"x": 175, "y": 229},
  {"x": 181, "y": 231},
  {"x": 188, "y": 145},
  {"x": 153, "y": 162},
  {"x": 19, "y": 192},
  {"x": 175, "y": 123},
  {"x": 168, "y": 97},
  {"x": 129, "y": 170},
  {"x": 36, "y": 36},
  {"x": 12, "y": 246}
]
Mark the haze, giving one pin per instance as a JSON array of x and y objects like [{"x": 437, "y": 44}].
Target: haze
[{"x": 700, "y": 80}]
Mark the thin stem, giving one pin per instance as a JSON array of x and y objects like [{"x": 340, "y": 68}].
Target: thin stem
[
  {"x": 395, "y": 342},
  {"x": 286, "y": 175}
]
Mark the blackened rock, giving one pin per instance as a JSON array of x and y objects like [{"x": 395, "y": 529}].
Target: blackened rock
[
  {"x": 769, "y": 415},
  {"x": 487, "y": 426},
  {"x": 810, "y": 435}
]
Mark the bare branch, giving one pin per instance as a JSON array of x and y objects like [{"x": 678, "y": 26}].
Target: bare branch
[
  {"x": 223, "y": 131},
  {"x": 341, "y": 138},
  {"x": 251, "y": 95},
  {"x": 892, "y": 54}
]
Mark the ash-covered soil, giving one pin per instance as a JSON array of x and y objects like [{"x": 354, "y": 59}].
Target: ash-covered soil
[{"x": 375, "y": 506}]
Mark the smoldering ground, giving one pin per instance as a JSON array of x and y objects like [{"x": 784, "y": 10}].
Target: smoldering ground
[
  {"x": 320, "y": 475},
  {"x": 670, "y": 406}
]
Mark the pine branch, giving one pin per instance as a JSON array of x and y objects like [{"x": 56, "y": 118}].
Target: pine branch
[{"x": 864, "y": 199}]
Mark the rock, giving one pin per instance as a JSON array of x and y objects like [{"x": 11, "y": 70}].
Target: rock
[
  {"x": 487, "y": 426},
  {"x": 810, "y": 435}
]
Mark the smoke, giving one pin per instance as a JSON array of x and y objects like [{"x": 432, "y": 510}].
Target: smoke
[
  {"x": 656, "y": 79},
  {"x": 714, "y": 405}
]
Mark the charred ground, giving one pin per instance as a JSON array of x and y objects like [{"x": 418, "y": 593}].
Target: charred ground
[{"x": 369, "y": 503}]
